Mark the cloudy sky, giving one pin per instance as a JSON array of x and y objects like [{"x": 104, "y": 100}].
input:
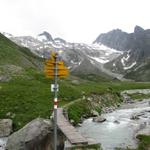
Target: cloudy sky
[{"x": 73, "y": 20}]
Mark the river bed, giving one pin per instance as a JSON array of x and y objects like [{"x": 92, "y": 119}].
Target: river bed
[{"x": 118, "y": 130}]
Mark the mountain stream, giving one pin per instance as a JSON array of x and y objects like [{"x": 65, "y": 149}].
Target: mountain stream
[{"x": 119, "y": 129}]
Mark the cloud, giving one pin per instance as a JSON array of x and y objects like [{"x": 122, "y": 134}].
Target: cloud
[{"x": 73, "y": 20}]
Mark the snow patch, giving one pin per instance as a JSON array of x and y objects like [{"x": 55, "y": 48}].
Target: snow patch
[
  {"x": 69, "y": 67},
  {"x": 79, "y": 63},
  {"x": 105, "y": 48},
  {"x": 125, "y": 59},
  {"x": 129, "y": 67},
  {"x": 8, "y": 35},
  {"x": 42, "y": 38},
  {"x": 56, "y": 46},
  {"x": 24, "y": 44},
  {"x": 92, "y": 62},
  {"x": 122, "y": 61},
  {"x": 100, "y": 60},
  {"x": 114, "y": 64}
]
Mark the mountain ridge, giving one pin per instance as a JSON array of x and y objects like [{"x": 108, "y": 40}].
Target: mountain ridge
[
  {"x": 77, "y": 56},
  {"x": 136, "y": 52},
  {"x": 116, "y": 52}
]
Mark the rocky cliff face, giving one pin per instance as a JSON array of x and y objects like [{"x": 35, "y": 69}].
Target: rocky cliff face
[
  {"x": 116, "y": 39},
  {"x": 135, "y": 47}
]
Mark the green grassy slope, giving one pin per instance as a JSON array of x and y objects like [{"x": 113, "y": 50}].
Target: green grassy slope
[
  {"x": 16, "y": 60},
  {"x": 10, "y": 53},
  {"x": 144, "y": 142}
]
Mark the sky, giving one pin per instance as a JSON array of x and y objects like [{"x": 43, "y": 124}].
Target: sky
[{"x": 72, "y": 20}]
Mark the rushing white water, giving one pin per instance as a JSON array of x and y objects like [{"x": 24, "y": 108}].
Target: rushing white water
[
  {"x": 120, "y": 133},
  {"x": 3, "y": 143}
]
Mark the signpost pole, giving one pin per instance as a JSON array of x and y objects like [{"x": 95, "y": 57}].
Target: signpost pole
[
  {"x": 55, "y": 100},
  {"x": 55, "y": 69}
]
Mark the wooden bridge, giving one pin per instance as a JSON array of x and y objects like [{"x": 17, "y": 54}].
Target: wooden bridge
[{"x": 71, "y": 133}]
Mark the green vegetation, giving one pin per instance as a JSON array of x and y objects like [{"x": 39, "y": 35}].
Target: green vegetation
[
  {"x": 78, "y": 109},
  {"x": 27, "y": 97},
  {"x": 94, "y": 102},
  {"x": 139, "y": 96},
  {"x": 144, "y": 142},
  {"x": 10, "y": 53}
]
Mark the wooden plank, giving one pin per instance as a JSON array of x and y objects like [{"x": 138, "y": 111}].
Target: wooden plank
[{"x": 69, "y": 131}]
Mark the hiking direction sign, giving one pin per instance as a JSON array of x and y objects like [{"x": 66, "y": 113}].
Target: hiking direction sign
[{"x": 54, "y": 67}]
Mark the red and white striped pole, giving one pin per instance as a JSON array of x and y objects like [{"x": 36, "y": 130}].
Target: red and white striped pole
[{"x": 55, "y": 103}]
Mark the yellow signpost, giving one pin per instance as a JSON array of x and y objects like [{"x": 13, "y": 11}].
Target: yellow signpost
[
  {"x": 50, "y": 68},
  {"x": 55, "y": 69}
]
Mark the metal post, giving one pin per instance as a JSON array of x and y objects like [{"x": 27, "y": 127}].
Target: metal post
[{"x": 55, "y": 101}]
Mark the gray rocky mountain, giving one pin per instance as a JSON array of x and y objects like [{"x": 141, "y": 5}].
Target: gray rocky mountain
[
  {"x": 80, "y": 58},
  {"x": 136, "y": 52},
  {"x": 116, "y": 39}
]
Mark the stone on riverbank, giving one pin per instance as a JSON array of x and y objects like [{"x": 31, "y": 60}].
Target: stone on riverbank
[
  {"x": 37, "y": 134},
  {"x": 99, "y": 119},
  {"x": 5, "y": 127}
]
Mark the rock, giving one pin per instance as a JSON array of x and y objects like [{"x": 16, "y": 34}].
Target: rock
[
  {"x": 83, "y": 97},
  {"x": 72, "y": 121},
  {"x": 134, "y": 117},
  {"x": 4, "y": 78},
  {"x": 99, "y": 119},
  {"x": 11, "y": 115},
  {"x": 5, "y": 127},
  {"x": 89, "y": 99},
  {"x": 36, "y": 135},
  {"x": 8, "y": 114},
  {"x": 94, "y": 113},
  {"x": 117, "y": 122},
  {"x": 137, "y": 115},
  {"x": 75, "y": 82},
  {"x": 108, "y": 109},
  {"x": 79, "y": 125}
]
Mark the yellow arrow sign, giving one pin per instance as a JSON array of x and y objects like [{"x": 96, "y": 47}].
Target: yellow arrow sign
[
  {"x": 50, "y": 66},
  {"x": 52, "y": 62},
  {"x": 62, "y": 72},
  {"x": 51, "y": 77}
]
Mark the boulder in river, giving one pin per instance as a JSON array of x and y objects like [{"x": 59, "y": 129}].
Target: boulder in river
[
  {"x": 99, "y": 119},
  {"x": 136, "y": 116},
  {"x": 36, "y": 135},
  {"x": 5, "y": 127},
  {"x": 117, "y": 122}
]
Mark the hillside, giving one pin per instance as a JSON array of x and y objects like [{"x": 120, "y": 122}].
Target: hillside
[{"x": 16, "y": 60}]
